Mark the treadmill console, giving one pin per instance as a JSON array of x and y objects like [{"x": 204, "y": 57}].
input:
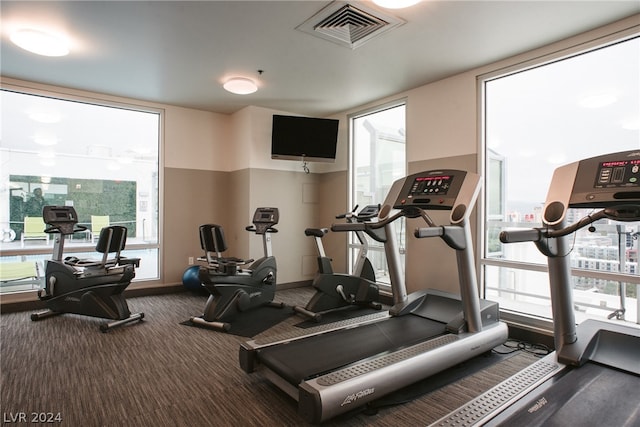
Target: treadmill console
[
  {"x": 607, "y": 180},
  {"x": 431, "y": 190},
  {"x": 598, "y": 182},
  {"x": 443, "y": 189}
]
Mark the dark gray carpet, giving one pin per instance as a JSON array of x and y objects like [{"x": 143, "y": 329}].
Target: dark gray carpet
[{"x": 159, "y": 373}]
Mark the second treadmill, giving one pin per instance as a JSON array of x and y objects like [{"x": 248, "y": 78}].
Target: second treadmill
[
  {"x": 593, "y": 377},
  {"x": 333, "y": 372}
]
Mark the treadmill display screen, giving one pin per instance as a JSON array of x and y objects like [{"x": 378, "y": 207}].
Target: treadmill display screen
[
  {"x": 431, "y": 185},
  {"x": 623, "y": 173}
]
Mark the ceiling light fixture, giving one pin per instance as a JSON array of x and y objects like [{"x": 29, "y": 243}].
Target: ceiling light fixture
[
  {"x": 40, "y": 42},
  {"x": 599, "y": 100},
  {"x": 395, "y": 4},
  {"x": 45, "y": 117},
  {"x": 240, "y": 85},
  {"x": 45, "y": 140}
]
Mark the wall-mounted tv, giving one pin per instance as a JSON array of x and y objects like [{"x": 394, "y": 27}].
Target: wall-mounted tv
[{"x": 308, "y": 139}]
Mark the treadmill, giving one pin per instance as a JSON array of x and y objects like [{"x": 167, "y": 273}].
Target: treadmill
[
  {"x": 593, "y": 377},
  {"x": 334, "y": 371}
]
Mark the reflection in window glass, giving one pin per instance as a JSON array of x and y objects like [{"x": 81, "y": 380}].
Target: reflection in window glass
[
  {"x": 102, "y": 160},
  {"x": 537, "y": 120}
]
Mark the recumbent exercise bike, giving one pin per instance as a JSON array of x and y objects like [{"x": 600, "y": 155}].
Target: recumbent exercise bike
[
  {"x": 87, "y": 287},
  {"x": 234, "y": 289}
]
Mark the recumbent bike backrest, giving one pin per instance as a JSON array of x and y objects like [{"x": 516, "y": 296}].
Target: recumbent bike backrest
[{"x": 212, "y": 238}]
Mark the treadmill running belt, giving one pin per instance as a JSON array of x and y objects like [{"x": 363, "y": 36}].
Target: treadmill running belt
[
  {"x": 593, "y": 395},
  {"x": 306, "y": 358}
]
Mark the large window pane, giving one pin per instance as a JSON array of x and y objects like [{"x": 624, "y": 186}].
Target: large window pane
[
  {"x": 536, "y": 120},
  {"x": 103, "y": 160},
  {"x": 378, "y": 158}
]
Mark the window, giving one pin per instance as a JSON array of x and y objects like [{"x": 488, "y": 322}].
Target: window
[
  {"x": 377, "y": 160},
  {"x": 537, "y": 119},
  {"x": 101, "y": 159}
]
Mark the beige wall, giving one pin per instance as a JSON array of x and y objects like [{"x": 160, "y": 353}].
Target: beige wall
[
  {"x": 295, "y": 194},
  {"x": 334, "y": 196},
  {"x": 430, "y": 262},
  {"x": 191, "y": 198}
]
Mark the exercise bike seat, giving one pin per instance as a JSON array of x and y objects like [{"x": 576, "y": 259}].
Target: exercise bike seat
[
  {"x": 213, "y": 242},
  {"x": 316, "y": 232},
  {"x": 112, "y": 240}
]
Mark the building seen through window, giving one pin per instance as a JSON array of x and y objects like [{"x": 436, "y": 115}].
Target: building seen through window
[{"x": 536, "y": 120}]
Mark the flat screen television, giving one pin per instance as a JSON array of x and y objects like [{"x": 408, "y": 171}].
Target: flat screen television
[{"x": 308, "y": 139}]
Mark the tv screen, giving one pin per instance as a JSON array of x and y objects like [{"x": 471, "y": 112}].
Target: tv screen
[{"x": 304, "y": 138}]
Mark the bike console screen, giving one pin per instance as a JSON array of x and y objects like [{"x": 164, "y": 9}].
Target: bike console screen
[
  {"x": 269, "y": 216},
  {"x": 56, "y": 215}
]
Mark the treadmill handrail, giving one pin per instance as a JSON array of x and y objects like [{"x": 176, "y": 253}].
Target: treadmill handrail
[
  {"x": 373, "y": 229},
  {"x": 364, "y": 226},
  {"x": 539, "y": 233}
]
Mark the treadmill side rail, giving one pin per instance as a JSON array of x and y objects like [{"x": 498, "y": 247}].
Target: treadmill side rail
[
  {"x": 492, "y": 402},
  {"x": 327, "y": 396},
  {"x": 248, "y": 350}
]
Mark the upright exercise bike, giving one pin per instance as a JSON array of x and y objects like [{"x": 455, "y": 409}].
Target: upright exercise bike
[
  {"x": 336, "y": 291},
  {"x": 87, "y": 287},
  {"x": 233, "y": 288}
]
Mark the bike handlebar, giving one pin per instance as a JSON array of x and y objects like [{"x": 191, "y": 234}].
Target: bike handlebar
[
  {"x": 360, "y": 216},
  {"x": 268, "y": 230},
  {"x": 57, "y": 228},
  {"x": 344, "y": 215}
]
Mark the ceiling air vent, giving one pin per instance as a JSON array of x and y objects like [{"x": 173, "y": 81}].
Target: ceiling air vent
[{"x": 347, "y": 25}]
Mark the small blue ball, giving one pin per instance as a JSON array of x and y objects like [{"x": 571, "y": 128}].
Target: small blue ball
[{"x": 191, "y": 279}]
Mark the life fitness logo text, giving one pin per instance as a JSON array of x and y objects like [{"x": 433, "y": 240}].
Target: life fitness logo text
[{"x": 356, "y": 396}]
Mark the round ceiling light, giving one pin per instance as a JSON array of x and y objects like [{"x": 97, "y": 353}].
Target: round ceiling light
[
  {"x": 40, "y": 43},
  {"x": 395, "y": 4},
  {"x": 240, "y": 86}
]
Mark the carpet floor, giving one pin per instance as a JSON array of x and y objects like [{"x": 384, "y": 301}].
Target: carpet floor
[{"x": 161, "y": 373}]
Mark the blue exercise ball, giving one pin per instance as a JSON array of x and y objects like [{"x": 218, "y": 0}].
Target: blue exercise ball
[{"x": 191, "y": 279}]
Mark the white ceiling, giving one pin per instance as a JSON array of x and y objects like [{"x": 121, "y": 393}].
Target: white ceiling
[{"x": 179, "y": 52}]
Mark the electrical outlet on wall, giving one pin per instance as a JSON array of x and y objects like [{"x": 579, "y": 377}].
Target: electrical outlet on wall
[{"x": 190, "y": 260}]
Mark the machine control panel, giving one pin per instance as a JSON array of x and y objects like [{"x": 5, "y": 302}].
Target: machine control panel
[
  {"x": 56, "y": 215},
  {"x": 435, "y": 190},
  {"x": 62, "y": 219},
  {"x": 264, "y": 219},
  {"x": 604, "y": 180},
  {"x": 266, "y": 216},
  {"x": 621, "y": 173},
  {"x": 434, "y": 185}
]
